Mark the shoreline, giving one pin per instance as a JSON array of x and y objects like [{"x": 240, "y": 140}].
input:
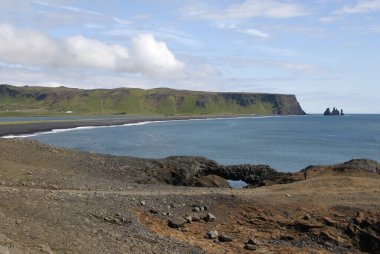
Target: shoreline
[{"x": 37, "y": 127}]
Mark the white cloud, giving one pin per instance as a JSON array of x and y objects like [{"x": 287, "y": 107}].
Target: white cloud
[
  {"x": 94, "y": 54},
  {"x": 249, "y": 9},
  {"x": 25, "y": 46},
  {"x": 255, "y": 32},
  {"x": 269, "y": 8},
  {"x": 146, "y": 55},
  {"x": 360, "y": 7},
  {"x": 249, "y": 31},
  {"x": 153, "y": 57}
]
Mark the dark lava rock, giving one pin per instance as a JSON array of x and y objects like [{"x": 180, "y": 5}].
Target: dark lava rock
[
  {"x": 202, "y": 172},
  {"x": 251, "y": 174},
  {"x": 212, "y": 234},
  {"x": 211, "y": 181},
  {"x": 250, "y": 247},
  {"x": 177, "y": 222},
  {"x": 252, "y": 241},
  {"x": 359, "y": 164},
  {"x": 209, "y": 217},
  {"x": 196, "y": 209},
  {"x": 364, "y": 231},
  {"x": 307, "y": 217},
  {"x": 195, "y": 218},
  {"x": 225, "y": 238},
  {"x": 152, "y": 211}
]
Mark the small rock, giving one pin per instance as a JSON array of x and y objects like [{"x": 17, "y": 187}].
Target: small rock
[
  {"x": 195, "y": 218},
  {"x": 306, "y": 217},
  {"x": 177, "y": 222},
  {"x": 328, "y": 221},
  {"x": 288, "y": 195},
  {"x": 209, "y": 217},
  {"x": 107, "y": 219},
  {"x": 185, "y": 229},
  {"x": 46, "y": 249},
  {"x": 142, "y": 202},
  {"x": 225, "y": 238},
  {"x": 196, "y": 209},
  {"x": 252, "y": 241},
  {"x": 126, "y": 220},
  {"x": 152, "y": 211},
  {"x": 359, "y": 214},
  {"x": 250, "y": 247},
  {"x": 189, "y": 219},
  {"x": 216, "y": 241},
  {"x": 212, "y": 234}
]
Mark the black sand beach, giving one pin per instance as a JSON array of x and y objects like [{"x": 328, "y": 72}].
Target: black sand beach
[{"x": 16, "y": 128}]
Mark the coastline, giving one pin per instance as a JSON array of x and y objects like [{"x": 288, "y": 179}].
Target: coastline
[{"x": 15, "y": 129}]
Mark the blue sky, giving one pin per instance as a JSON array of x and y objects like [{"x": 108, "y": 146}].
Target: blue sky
[{"x": 327, "y": 52}]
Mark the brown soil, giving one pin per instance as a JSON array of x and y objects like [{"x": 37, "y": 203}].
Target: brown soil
[{"x": 62, "y": 201}]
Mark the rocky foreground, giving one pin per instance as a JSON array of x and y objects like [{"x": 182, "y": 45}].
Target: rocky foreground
[{"x": 62, "y": 201}]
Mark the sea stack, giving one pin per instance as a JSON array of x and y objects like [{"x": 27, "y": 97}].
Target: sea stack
[{"x": 334, "y": 112}]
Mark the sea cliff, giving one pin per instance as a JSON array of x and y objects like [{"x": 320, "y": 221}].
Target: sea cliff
[{"x": 160, "y": 101}]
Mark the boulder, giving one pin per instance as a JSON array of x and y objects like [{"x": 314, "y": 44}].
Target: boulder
[
  {"x": 177, "y": 222},
  {"x": 212, "y": 234},
  {"x": 250, "y": 247},
  {"x": 225, "y": 238},
  {"x": 252, "y": 241}
]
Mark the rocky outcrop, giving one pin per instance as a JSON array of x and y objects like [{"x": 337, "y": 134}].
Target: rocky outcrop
[
  {"x": 334, "y": 112},
  {"x": 359, "y": 164},
  {"x": 202, "y": 172},
  {"x": 251, "y": 174},
  {"x": 353, "y": 167}
]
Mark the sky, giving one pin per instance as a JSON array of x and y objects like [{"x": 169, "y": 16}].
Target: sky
[{"x": 326, "y": 52}]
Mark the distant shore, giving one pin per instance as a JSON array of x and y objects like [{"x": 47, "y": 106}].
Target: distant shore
[{"x": 29, "y": 127}]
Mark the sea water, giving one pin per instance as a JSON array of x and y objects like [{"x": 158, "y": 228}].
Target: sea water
[{"x": 288, "y": 143}]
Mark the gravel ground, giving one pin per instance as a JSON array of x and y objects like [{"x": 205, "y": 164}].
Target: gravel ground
[{"x": 62, "y": 201}]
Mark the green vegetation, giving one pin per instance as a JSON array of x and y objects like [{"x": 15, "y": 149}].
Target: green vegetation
[{"x": 44, "y": 101}]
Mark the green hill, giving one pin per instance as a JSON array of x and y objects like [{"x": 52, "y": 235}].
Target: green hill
[{"x": 33, "y": 101}]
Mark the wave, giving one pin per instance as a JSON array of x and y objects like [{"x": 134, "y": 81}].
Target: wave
[{"x": 135, "y": 124}]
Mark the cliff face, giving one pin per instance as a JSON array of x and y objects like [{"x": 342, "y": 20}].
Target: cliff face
[{"x": 44, "y": 100}]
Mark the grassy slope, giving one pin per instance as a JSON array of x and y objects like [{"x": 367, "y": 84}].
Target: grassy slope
[{"x": 161, "y": 101}]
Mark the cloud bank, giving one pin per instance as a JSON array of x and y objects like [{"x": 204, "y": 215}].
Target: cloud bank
[{"x": 145, "y": 55}]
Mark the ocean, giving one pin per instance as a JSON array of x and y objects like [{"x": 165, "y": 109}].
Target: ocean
[{"x": 286, "y": 143}]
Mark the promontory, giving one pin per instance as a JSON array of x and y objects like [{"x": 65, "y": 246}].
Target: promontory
[{"x": 32, "y": 101}]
